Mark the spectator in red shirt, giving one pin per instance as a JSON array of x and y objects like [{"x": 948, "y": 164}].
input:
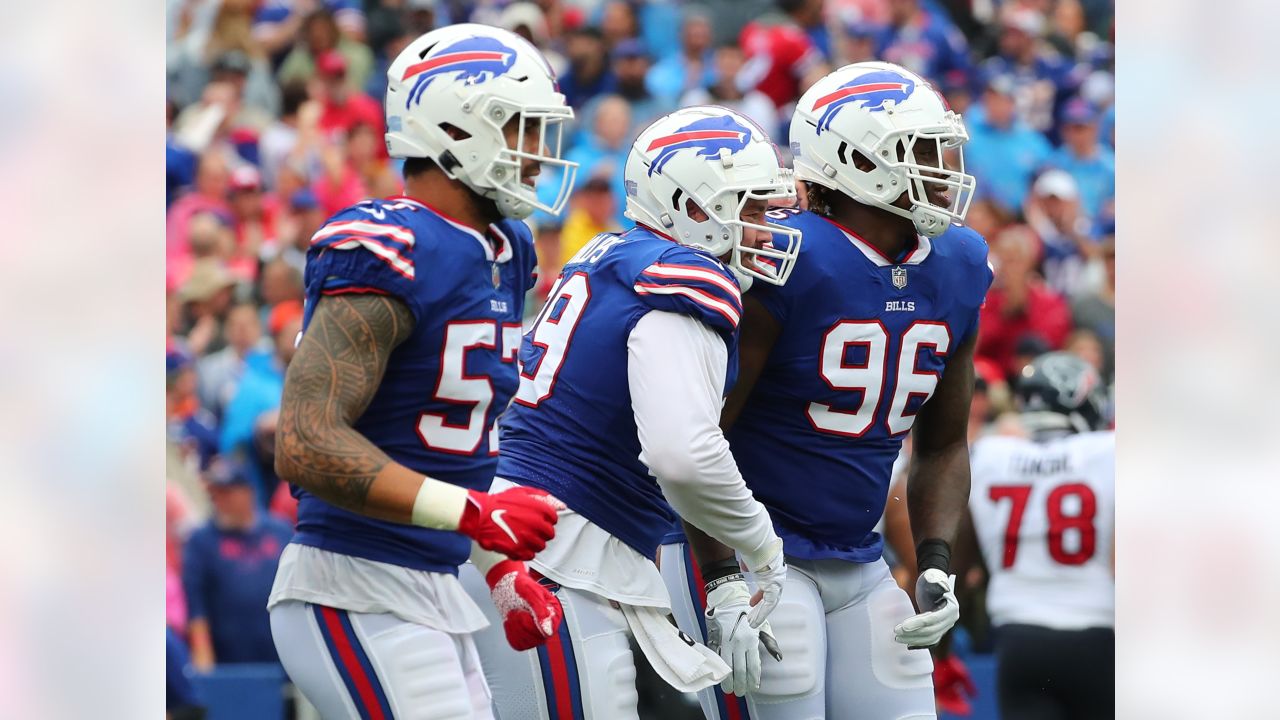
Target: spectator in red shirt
[
  {"x": 344, "y": 107},
  {"x": 254, "y": 217},
  {"x": 1019, "y": 304},
  {"x": 782, "y": 60}
]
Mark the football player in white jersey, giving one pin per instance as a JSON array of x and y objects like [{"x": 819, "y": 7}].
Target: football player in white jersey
[{"x": 1044, "y": 513}]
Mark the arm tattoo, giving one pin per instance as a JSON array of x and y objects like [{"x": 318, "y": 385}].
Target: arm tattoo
[{"x": 330, "y": 382}]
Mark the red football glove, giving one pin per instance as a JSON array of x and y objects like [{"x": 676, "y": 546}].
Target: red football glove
[
  {"x": 951, "y": 685},
  {"x": 530, "y": 613},
  {"x": 517, "y": 522}
]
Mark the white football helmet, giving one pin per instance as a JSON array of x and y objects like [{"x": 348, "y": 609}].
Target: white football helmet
[
  {"x": 477, "y": 78},
  {"x": 719, "y": 160},
  {"x": 884, "y": 113}
]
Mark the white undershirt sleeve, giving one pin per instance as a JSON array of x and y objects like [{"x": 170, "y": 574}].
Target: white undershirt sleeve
[{"x": 676, "y": 369}]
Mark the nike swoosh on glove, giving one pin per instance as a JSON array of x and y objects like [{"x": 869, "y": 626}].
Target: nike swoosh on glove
[
  {"x": 517, "y": 522},
  {"x": 730, "y": 634},
  {"x": 530, "y": 613},
  {"x": 952, "y": 686},
  {"x": 939, "y": 610}
]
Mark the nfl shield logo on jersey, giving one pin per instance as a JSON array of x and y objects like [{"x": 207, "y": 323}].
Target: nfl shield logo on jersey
[
  {"x": 899, "y": 276},
  {"x": 497, "y": 276}
]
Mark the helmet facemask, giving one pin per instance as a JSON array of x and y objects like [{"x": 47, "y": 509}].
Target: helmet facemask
[
  {"x": 499, "y": 178},
  {"x": 932, "y": 219},
  {"x": 767, "y": 263}
]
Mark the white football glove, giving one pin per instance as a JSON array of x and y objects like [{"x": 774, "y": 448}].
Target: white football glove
[
  {"x": 939, "y": 610},
  {"x": 732, "y": 636},
  {"x": 770, "y": 576}
]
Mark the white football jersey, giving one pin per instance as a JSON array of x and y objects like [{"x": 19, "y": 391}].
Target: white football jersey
[{"x": 1044, "y": 513}]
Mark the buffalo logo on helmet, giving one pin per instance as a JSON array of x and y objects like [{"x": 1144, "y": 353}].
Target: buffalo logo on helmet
[
  {"x": 475, "y": 59},
  {"x": 872, "y": 90},
  {"x": 708, "y": 136}
]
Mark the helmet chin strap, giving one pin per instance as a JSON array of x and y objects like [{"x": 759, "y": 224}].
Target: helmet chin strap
[
  {"x": 744, "y": 280},
  {"x": 929, "y": 222}
]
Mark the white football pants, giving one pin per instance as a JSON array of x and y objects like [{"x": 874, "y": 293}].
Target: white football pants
[
  {"x": 375, "y": 666},
  {"x": 834, "y": 627},
  {"x": 586, "y": 671}
]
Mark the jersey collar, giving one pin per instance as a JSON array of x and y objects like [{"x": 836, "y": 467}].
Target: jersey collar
[
  {"x": 501, "y": 240},
  {"x": 914, "y": 257}
]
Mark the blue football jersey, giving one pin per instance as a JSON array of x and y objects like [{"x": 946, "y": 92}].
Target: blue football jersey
[
  {"x": 863, "y": 343},
  {"x": 446, "y": 384},
  {"x": 571, "y": 429}
]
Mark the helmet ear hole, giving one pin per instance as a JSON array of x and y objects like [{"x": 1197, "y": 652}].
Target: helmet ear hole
[
  {"x": 694, "y": 212},
  {"x": 861, "y": 162},
  {"x": 454, "y": 131}
]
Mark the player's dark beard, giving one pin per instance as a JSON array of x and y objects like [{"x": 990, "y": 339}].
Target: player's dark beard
[{"x": 488, "y": 209}]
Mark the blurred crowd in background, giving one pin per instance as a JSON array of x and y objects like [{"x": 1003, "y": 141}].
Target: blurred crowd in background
[{"x": 275, "y": 122}]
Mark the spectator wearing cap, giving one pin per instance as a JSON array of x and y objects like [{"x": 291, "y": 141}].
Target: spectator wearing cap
[
  {"x": 922, "y": 41},
  {"x": 241, "y": 90},
  {"x": 258, "y": 393},
  {"x": 1042, "y": 81},
  {"x": 254, "y": 217},
  {"x": 1053, "y": 211},
  {"x": 630, "y": 63},
  {"x": 229, "y": 565},
  {"x": 726, "y": 90},
  {"x": 190, "y": 427},
  {"x": 304, "y": 220},
  {"x": 1003, "y": 152},
  {"x": 220, "y": 372},
  {"x": 957, "y": 88},
  {"x": 1092, "y": 164},
  {"x": 528, "y": 21},
  {"x": 691, "y": 68},
  {"x": 1019, "y": 304},
  {"x": 319, "y": 35},
  {"x": 588, "y": 74},
  {"x": 857, "y": 39},
  {"x": 343, "y": 107},
  {"x": 206, "y": 298}
]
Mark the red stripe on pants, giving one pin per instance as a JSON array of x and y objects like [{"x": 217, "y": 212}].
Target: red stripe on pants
[{"x": 348, "y": 656}]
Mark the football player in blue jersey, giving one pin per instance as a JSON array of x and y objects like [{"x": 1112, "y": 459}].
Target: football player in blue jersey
[
  {"x": 623, "y": 378},
  {"x": 387, "y": 425},
  {"x": 873, "y": 334}
]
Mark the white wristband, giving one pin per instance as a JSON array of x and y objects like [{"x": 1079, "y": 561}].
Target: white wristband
[
  {"x": 439, "y": 505},
  {"x": 764, "y": 554},
  {"x": 484, "y": 560}
]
